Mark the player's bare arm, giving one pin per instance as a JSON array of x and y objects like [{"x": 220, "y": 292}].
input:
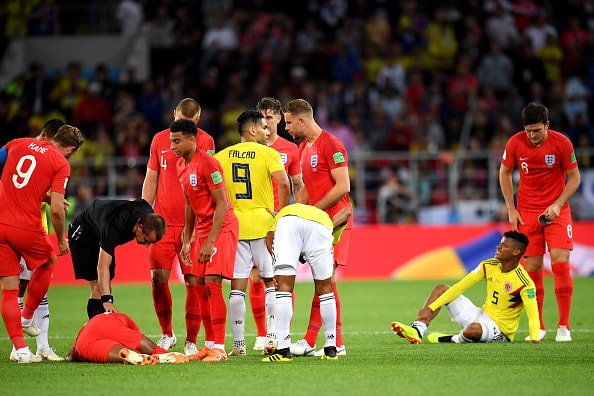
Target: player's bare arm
[
  {"x": 571, "y": 186},
  {"x": 149, "y": 186},
  {"x": 207, "y": 249},
  {"x": 58, "y": 217},
  {"x": 506, "y": 184},
  {"x": 187, "y": 234},
  {"x": 103, "y": 281},
  {"x": 341, "y": 218},
  {"x": 283, "y": 187},
  {"x": 340, "y": 189},
  {"x": 297, "y": 182}
]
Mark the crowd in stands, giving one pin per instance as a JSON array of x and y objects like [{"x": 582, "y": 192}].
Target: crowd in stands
[{"x": 398, "y": 75}]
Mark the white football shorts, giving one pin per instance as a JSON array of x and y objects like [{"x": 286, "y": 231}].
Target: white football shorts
[{"x": 295, "y": 236}]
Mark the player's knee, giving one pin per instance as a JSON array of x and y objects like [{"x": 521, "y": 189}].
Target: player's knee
[{"x": 473, "y": 331}]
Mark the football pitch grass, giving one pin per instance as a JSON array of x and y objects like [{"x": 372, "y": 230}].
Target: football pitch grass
[{"x": 377, "y": 360}]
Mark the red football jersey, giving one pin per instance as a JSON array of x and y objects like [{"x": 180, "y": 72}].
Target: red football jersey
[
  {"x": 290, "y": 159},
  {"x": 325, "y": 154},
  {"x": 197, "y": 179},
  {"x": 169, "y": 201},
  {"x": 542, "y": 169},
  {"x": 32, "y": 169}
]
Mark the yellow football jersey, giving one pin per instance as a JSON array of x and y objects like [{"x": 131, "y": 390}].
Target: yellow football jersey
[{"x": 247, "y": 168}]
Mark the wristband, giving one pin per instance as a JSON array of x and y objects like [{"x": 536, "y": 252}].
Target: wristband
[{"x": 107, "y": 298}]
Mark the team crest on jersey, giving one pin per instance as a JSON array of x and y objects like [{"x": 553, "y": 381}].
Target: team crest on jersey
[
  {"x": 313, "y": 161},
  {"x": 193, "y": 180},
  {"x": 283, "y": 158},
  {"x": 550, "y": 159},
  {"x": 507, "y": 286}
]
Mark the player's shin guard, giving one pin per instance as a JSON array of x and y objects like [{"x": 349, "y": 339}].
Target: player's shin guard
[
  {"x": 37, "y": 289},
  {"x": 192, "y": 313},
  {"x": 205, "y": 312},
  {"x": 257, "y": 302},
  {"x": 315, "y": 321},
  {"x": 94, "y": 307},
  {"x": 540, "y": 292},
  {"x": 237, "y": 316},
  {"x": 563, "y": 291},
  {"x": 162, "y": 302},
  {"x": 328, "y": 312},
  {"x": 11, "y": 315},
  {"x": 283, "y": 313},
  {"x": 339, "y": 341},
  {"x": 270, "y": 321},
  {"x": 218, "y": 311},
  {"x": 41, "y": 317}
]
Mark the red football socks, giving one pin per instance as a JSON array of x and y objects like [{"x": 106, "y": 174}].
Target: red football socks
[
  {"x": 563, "y": 291},
  {"x": 162, "y": 302},
  {"x": 538, "y": 282},
  {"x": 257, "y": 303}
]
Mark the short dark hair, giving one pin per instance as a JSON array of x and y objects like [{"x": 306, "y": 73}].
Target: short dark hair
[
  {"x": 186, "y": 127},
  {"x": 535, "y": 113},
  {"x": 270, "y": 104},
  {"x": 251, "y": 116},
  {"x": 153, "y": 222},
  {"x": 520, "y": 238},
  {"x": 51, "y": 127}
]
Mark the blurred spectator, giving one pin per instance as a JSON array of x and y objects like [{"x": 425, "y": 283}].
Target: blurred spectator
[
  {"x": 501, "y": 27},
  {"x": 573, "y": 38},
  {"x": 392, "y": 73},
  {"x": 442, "y": 43},
  {"x": 220, "y": 36},
  {"x": 37, "y": 89},
  {"x": 462, "y": 87},
  {"x": 92, "y": 109},
  {"x": 394, "y": 201},
  {"x": 575, "y": 99},
  {"x": 552, "y": 57},
  {"x": 43, "y": 19},
  {"x": 160, "y": 28},
  {"x": 528, "y": 69},
  {"x": 537, "y": 33},
  {"x": 495, "y": 70},
  {"x": 377, "y": 30},
  {"x": 130, "y": 16},
  {"x": 70, "y": 89}
]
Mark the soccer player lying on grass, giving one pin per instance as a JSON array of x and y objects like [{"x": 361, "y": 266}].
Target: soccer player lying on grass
[
  {"x": 303, "y": 230},
  {"x": 509, "y": 290},
  {"x": 113, "y": 337}
]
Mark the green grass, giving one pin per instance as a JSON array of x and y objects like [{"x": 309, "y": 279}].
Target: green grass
[{"x": 378, "y": 362}]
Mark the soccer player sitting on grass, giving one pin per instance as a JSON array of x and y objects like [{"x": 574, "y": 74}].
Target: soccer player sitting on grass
[
  {"x": 113, "y": 337},
  {"x": 509, "y": 290}
]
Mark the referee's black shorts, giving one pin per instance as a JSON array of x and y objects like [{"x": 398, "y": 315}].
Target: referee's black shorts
[{"x": 84, "y": 250}]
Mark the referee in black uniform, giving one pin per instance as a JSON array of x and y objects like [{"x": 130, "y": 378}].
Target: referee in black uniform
[{"x": 94, "y": 235}]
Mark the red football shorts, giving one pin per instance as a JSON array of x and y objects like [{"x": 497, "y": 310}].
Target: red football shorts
[
  {"x": 34, "y": 246},
  {"x": 102, "y": 332},
  {"x": 557, "y": 235},
  {"x": 223, "y": 259},
  {"x": 341, "y": 249},
  {"x": 165, "y": 253}
]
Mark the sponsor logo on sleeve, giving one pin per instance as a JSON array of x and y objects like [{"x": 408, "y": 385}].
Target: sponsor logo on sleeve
[
  {"x": 216, "y": 177},
  {"x": 573, "y": 159},
  {"x": 338, "y": 158},
  {"x": 531, "y": 293}
]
